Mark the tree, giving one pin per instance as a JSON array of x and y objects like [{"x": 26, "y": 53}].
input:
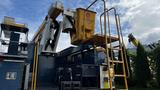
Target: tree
[
  {"x": 142, "y": 71},
  {"x": 157, "y": 61}
]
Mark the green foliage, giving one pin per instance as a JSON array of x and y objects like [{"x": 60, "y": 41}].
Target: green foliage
[
  {"x": 142, "y": 71},
  {"x": 156, "y": 56}
]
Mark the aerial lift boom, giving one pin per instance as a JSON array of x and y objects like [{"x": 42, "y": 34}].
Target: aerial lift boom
[
  {"x": 80, "y": 25},
  {"x": 49, "y": 31},
  {"x": 46, "y": 38}
]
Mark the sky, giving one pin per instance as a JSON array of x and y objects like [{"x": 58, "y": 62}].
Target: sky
[{"x": 140, "y": 17}]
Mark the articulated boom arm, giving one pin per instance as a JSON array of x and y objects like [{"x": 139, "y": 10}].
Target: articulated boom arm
[
  {"x": 133, "y": 40},
  {"x": 49, "y": 31}
]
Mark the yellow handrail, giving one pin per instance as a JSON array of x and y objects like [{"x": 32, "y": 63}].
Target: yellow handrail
[{"x": 35, "y": 68}]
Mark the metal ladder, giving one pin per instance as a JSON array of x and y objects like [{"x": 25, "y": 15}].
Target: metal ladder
[
  {"x": 109, "y": 47},
  {"x": 110, "y": 60}
]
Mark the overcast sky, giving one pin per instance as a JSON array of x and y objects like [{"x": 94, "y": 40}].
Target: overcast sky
[{"x": 140, "y": 17}]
